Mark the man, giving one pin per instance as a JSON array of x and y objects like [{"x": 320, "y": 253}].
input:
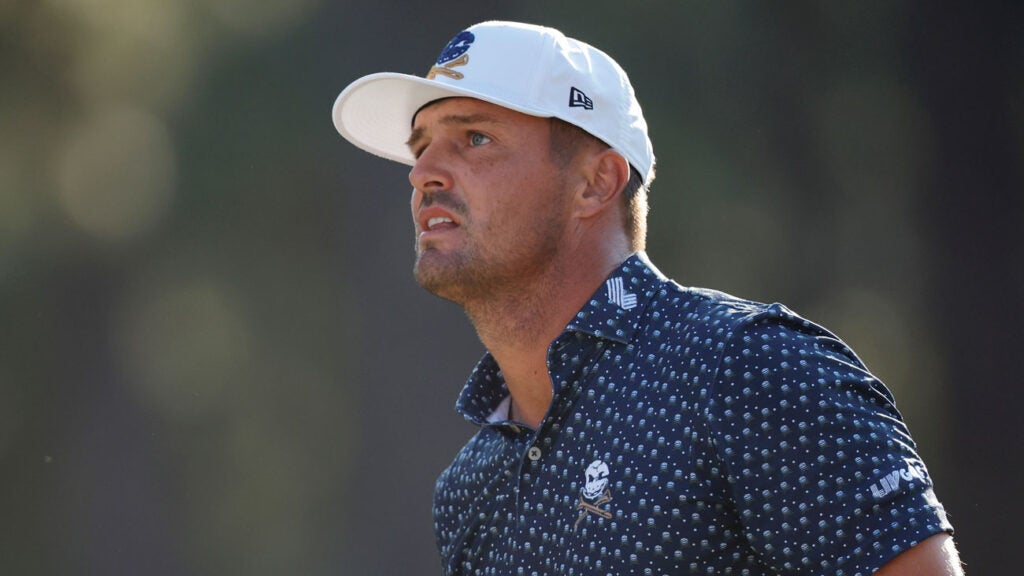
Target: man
[{"x": 628, "y": 425}]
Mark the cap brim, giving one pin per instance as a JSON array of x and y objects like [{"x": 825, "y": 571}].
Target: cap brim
[{"x": 375, "y": 112}]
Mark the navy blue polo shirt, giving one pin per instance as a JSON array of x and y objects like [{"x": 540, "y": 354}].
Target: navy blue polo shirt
[{"x": 690, "y": 432}]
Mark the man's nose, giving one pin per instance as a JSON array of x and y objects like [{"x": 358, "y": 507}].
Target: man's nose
[{"x": 430, "y": 172}]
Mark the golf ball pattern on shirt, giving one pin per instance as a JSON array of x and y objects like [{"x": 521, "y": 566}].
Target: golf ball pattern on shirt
[{"x": 689, "y": 433}]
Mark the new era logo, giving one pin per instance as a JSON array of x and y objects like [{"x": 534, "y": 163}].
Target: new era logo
[
  {"x": 617, "y": 294},
  {"x": 577, "y": 99}
]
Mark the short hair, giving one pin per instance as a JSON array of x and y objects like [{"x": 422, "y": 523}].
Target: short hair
[{"x": 566, "y": 142}]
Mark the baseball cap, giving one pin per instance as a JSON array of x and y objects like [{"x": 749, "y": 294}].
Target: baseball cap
[{"x": 531, "y": 69}]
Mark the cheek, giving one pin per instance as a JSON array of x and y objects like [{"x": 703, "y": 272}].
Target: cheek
[
  {"x": 520, "y": 213},
  {"x": 514, "y": 197}
]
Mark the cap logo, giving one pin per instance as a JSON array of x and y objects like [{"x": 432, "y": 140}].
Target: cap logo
[
  {"x": 453, "y": 55},
  {"x": 577, "y": 99}
]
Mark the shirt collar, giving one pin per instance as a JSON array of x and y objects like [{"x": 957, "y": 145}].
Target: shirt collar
[{"x": 613, "y": 312}]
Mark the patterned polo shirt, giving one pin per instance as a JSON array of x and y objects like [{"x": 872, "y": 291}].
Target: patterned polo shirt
[{"x": 690, "y": 432}]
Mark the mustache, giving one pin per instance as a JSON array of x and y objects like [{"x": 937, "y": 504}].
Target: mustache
[{"x": 444, "y": 199}]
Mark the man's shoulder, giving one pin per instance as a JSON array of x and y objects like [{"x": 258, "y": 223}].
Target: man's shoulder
[
  {"x": 707, "y": 309},
  {"x": 702, "y": 323},
  {"x": 655, "y": 315}
]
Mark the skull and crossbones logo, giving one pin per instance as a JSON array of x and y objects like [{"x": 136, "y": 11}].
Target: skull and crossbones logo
[{"x": 595, "y": 492}]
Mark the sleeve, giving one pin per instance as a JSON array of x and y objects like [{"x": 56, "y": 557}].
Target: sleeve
[{"x": 824, "y": 473}]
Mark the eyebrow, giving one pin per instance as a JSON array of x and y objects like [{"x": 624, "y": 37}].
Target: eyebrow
[{"x": 452, "y": 120}]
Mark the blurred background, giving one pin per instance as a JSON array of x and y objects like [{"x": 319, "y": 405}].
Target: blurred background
[{"x": 214, "y": 359}]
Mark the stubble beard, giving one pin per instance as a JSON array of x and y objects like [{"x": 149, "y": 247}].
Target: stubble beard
[
  {"x": 444, "y": 275},
  {"x": 474, "y": 275}
]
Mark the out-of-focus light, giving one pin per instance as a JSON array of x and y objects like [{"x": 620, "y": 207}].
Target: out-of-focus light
[
  {"x": 182, "y": 342},
  {"x": 116, "y": 174},
  {"x": 16, "y": 202},
  {"x": 262, "y": 18},
  {"x": 143, "y": 52},
  {"x": 875, "y": 138}
]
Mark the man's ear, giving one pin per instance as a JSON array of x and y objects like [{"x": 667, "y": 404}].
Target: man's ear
[{"x": 607, "y": 173}]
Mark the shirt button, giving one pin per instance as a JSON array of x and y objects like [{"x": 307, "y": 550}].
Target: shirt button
[{"x": 533, "y": 453}]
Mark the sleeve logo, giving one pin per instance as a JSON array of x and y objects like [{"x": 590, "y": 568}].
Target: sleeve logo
[{"x": 890, "y": 482}]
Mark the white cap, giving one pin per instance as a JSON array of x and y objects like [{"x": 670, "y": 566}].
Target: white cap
[{"x": 529, "y": 69}]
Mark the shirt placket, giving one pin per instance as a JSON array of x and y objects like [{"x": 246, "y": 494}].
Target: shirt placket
[{"x": 568, "y": 358}]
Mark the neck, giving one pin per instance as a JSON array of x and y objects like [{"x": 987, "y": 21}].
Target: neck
[{"x": 518, "y": 324}]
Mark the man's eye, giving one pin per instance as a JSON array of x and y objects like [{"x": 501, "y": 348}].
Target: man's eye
[{"x": 478, "y": 139}]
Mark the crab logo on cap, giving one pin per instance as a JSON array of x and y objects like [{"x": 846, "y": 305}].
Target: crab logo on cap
[{"x": 454, "y": 54}]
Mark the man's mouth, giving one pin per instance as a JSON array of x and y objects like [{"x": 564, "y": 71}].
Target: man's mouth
[
  {"x": 438, "y": 223},
  {"x": 436, "y": 220}
]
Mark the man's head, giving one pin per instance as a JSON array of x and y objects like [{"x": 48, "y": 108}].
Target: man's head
[
  {"x": 492, "y": 207},
  {"x": 473, "y": 125}
]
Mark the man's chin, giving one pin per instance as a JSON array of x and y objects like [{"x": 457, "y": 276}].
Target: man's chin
[{"x": 435, "y": 277}]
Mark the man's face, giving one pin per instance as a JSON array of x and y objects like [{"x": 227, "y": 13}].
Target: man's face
[{"x": 490, "y": 207}]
